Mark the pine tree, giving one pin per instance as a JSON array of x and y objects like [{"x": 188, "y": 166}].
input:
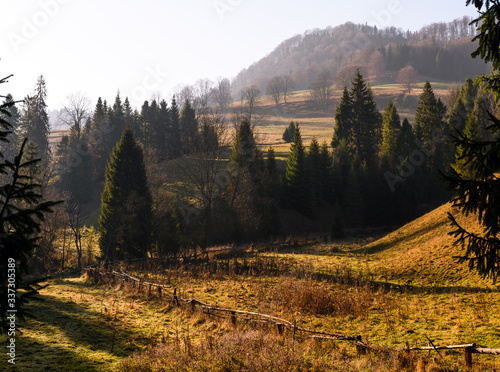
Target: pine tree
[
  {"x": 188, "y": 126},
  {"x": 10, "y": 148},
  {"x": 478, "y": 193},
  {"x": 35, "y": 121},
  {"x": 296, "y": 181},
  {"x": 21, "y": 213},
  {"x": 462, "y": 164},
  {"x": 406, "y": 139},
  {"x": 126, "y": 205},
  {"x": 367, "y": 121},
  {"x": 100, "y": 139},
  {"x": 429, "y": 116},
  {"x": 313, "y": 161},
  {"x": 343, "y": 120},
  {"x": 173, "y": 140},
  {"x": 246, "y": 187},
  {"x": 289, "y": 132},
  {"x": 116, "y": 122},
  {"x": 390, "y": 134}
]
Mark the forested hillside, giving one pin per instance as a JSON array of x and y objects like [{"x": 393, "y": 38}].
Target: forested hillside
[{"x": 440, "y": 51}]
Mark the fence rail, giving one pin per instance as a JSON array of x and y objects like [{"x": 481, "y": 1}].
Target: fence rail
[{"x": 249, "y": 316}]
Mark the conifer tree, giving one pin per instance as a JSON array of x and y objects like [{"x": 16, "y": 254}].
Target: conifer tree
[
  {"x": 173, "y": 136},
  {"x": 390, "y": 134},
  {"x": 247, "y": 187},
  {"x": 478, "y": 192},
  {"x": 296, "y": 181},
  {"x": 116, "y": 121},
  {"x": 462, "y": 164},
  {"x": 429, "y": 116},
  {"x": 10, "y": 148},
  {"x": 188, "y": 126},
  {"x": 21, "y": 213},
  {"x": 343, "y": 120},
  {"x": 406, "y": 139},
  {"x": 289, "y": 132},
  {"x": 100, "y": 140},
  {"x": 126, "y": 204},
  {"x": 35, "y": 120},
  {"x": 313, "y": 161},
  {"x": 367, "y": 121}
]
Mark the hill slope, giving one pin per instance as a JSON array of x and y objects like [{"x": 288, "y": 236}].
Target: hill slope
[
  {"x": 422, "y": 252},
  {"x": 438, "y": 51}
]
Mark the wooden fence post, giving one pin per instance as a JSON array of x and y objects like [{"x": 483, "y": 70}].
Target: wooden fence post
[
  {"x": 293, "y": 334},
  {"x": 233, "y": 318},
  {"x": 159, "y": 292},
  {"x": 468, "y": 357},
  {"x": 280, "y": 328}
]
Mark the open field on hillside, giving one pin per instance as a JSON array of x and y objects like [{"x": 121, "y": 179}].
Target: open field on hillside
[{"x": 401, "y": 288}]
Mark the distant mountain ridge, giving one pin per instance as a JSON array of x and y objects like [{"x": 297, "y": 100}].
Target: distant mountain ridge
[{"x": 439, "y": 51}]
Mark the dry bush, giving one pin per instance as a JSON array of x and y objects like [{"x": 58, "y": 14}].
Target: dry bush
[
  {"x": 313, "y": 297},
  {"x": 236, "y": 351}
]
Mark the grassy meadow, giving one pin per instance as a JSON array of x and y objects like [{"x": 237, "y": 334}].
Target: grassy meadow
[{"x": 401, "y": 288}]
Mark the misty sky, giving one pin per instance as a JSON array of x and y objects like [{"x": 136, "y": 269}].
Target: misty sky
[{"x": 148, "y": 47}]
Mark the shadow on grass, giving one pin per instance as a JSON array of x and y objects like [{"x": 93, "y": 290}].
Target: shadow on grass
[
  {"x": 67, "y": 325},
  {"x": 404, "y": 238}
]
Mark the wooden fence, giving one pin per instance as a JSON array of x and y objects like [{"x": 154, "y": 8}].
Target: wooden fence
[{"x": 280, "y": 324}]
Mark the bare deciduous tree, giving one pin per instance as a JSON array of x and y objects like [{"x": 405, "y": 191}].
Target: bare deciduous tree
[
  {"x": 407, "y": 77},
  {"x": 275, "y": 89},
  {"x": 76, "y": 224},
  {"x": 203, "y": 91},
  {"x": 75, "y": 112},
  {"x": 250, "y": 96},
  {"x": 184, "y": 93},
  {"x": 322, "y": 90},
  {"x": 222, "y": 94},
  {"x": 288, "y": 85}
]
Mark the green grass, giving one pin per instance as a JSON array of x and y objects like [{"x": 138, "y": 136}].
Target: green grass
[{"x": 403, "y": 287}]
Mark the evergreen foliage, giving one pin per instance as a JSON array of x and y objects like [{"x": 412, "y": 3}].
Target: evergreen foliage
[
  {"x": 477, "y": 189},
  {"x": 289, "y": 132},
  {"x": 188, "y": 126},
  {"x": 21, "y": 213},
  {"x": 367, "y": 123},
  {"x": 296, "y": 181},
  {"x": 390, "y": 135},
  {"x": 35, "y": 121},
  {"x": 126, "y": 205},
  {"x": 343, "y": 120}
]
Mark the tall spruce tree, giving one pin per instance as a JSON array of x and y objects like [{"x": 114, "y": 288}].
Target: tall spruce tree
[
  {"x": 343, "y": 120},
  {"x": 10, "y": 148},
  {"x": 478, "y": 192},
  {"x": 173, "y": 136},
  {"x": 367, "y": 121},
  {"x": 390, "y": 134},
  {"x": 313, "y": 161},
  {"x": 246, "y": 187},
  {"x": 100, "y": 139},
  {"x": 35, "y": 120},
  {"x": 21, "y": 213},
  {"x": 188, "y": 126},
  {"x": 296, "y": 181},
  {"x": 429, "y": 116},
  {"x": 126, "y": 204}
]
